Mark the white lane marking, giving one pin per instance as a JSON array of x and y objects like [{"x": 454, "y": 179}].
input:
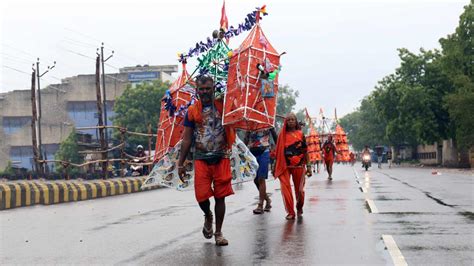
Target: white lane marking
[
  {"x": 395, "y": 253},
  {"x": 355, "y": 173},
  {"x": 372, "y": 207}
]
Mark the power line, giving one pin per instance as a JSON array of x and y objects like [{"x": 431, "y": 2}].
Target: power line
[
  {"x": 88, "y": 57},
  {"x": 17, "y": 70},
  {"x": 31, "y": 56},
  {"x": 77, "y": 53},
  {"x": 19, "y": 50},
  {"x": 114, "y": 78},
  {"x": 80, "y": 33},
  {"x": 133, "y": 59},
  {"x": 15, "y": 58},
  {"x": 84, "y": 44},
  {"x": 56, "y": 78}
]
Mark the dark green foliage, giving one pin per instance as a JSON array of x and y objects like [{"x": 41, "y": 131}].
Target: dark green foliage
[
  {"x": 427, "y": 99},
  {"x": 137, "y": 107},
  {"x": 69, "y": 152}
]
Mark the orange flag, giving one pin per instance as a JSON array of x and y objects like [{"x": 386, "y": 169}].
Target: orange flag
[{"x": 224, "y": 21}]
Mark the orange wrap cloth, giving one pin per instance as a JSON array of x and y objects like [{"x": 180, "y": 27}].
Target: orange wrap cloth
[
  {"x": 285, "y": 172},
  {"x": 299, "y": 179},
  {"x": 195, "y": 114},
  {"x": 170, "y": 128},
  {"x": 280, "y": 164}
]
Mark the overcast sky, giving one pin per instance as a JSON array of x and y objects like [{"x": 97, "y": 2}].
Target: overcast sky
[{"x": 336, "y": 50}]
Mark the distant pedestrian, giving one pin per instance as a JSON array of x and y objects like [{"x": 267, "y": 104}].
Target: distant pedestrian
[
  {"x": 329, "y": 152},
  {"x": 291, "y": 160},
  {"x": 379, "y": 152},
  {"x": 389, "y": 158}
]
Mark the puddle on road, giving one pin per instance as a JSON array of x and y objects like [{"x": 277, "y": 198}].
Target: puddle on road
[
  {"x": 468, "y": 215},
  {"x": 420, "y": 248},
  {"x": 386, "y": 198},
  {"x": 403, "y": 214}
]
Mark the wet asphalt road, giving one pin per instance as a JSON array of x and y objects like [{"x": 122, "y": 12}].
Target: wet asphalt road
[{"x": 430, "y": 217}]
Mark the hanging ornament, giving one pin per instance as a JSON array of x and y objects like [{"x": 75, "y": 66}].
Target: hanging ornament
[
  {"x": 218, "y": 35},
  {"x": 267, "y": 74},
  {"x": 215, "y": 63}
]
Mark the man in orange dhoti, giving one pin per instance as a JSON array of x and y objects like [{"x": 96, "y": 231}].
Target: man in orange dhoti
[
  {"x": 291, "y": 159},
  {"x": 329, "y": 151}
]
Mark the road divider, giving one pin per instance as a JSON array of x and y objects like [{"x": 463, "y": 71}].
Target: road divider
[{"x": 27, "y": 193}]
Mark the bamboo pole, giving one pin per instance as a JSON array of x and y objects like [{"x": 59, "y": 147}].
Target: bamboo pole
[
  {"x": 149, "y": 141},
  {"x": 122, "y": 152}
]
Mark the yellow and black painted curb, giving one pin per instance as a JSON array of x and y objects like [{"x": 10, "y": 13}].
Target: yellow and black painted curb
[{"x": 27, "y": 193}]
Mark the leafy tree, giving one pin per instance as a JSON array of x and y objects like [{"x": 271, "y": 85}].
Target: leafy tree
[
  {"x": 285, "y": 103},
  {"x": 429, "y": 97},
  {"x": 461, "y": 110},
  {"x": 69, "y": 151},
  {"x": 457, "y": 63},
  {"x": 406, "y": 107},
  {"x": 363, "y": 126},
  {"x": 286, "y": 100},
  {"x": 137, "y": 107},
  {"x": 8, "y": 171}
]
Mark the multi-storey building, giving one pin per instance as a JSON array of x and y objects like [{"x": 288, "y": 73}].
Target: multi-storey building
[{"x": 72, "y": 103}]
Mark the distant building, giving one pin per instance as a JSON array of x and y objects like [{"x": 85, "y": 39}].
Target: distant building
[{"x": 72, "y": 103}]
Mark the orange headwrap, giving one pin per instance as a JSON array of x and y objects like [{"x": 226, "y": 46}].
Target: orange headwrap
[
  {"x": 195, "y": 114},
  {"x": 280, "y": 165}
]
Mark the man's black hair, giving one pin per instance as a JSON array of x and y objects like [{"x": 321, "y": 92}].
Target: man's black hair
[{"x": 203, "y": 79}]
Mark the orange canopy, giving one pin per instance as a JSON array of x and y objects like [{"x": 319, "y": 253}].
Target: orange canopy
[
  {"x": 170, "y": 127},
  {"x": 245, "y": 106},
  {"x": 314, "y": 145},
  {"x": 342, "y": 146}
]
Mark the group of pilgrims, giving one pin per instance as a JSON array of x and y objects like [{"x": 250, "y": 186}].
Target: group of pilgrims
[
  {"x": 284, "y": 154},
  {"x": 237, "y": 90}
]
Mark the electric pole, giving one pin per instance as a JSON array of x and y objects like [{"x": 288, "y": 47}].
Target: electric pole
[
  {"x": 38, "y": 77},
  {"x": 34, "y": 116},
  {"x": 100, "y": 121},
  {"x": 104, "y": 94}
]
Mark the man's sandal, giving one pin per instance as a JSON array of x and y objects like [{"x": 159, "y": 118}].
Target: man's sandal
[
  {"x": 220, "y": 240},
  {"x": 268, "y": 205},
  {"x": 259, "y": 209},
  {"x": 299, "y": 213},
  {"x": 290, "y": 217},
  {"x": 207, "y": 230}
]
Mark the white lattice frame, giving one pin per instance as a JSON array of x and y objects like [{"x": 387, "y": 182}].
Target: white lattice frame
[{"x": 247, "y": 84}]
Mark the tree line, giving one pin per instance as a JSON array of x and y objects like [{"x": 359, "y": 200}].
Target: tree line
[{"x": 428, "y": 98}]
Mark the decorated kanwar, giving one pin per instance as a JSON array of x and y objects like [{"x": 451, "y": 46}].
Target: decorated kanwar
[
  {"x": 314, "y": 144},
  {"x": 197, "y": 147}
]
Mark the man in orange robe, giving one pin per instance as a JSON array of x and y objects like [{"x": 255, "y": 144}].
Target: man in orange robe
[
  {"x": 291, "y": 160},
  {"x": 329, "y": 152}
]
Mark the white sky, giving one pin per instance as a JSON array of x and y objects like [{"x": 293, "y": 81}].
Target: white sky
[{"x": 336, "y": 50}]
